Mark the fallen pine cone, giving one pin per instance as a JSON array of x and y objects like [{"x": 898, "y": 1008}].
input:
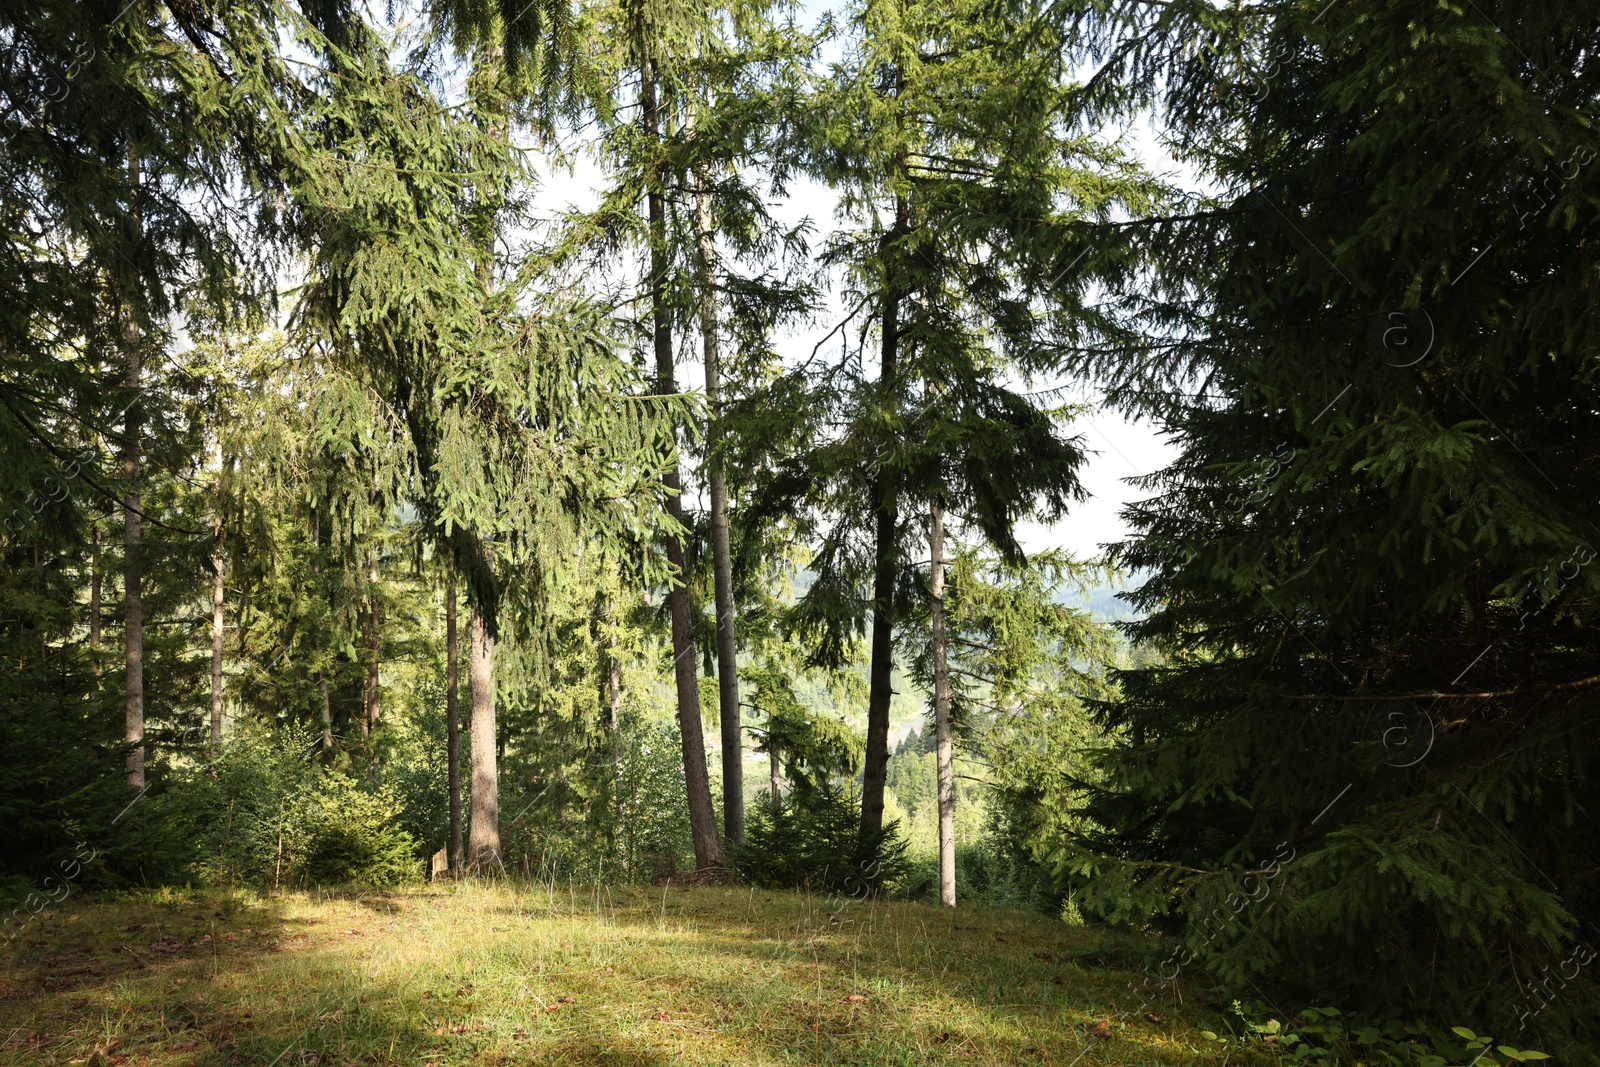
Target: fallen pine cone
[
  {"x": 565, "y": 1000},
  {"x": 1100, "y": 1030},
  {"x": 661, "y": 1016},
  {"x": 1152, "y": 1016},
  {"x": 855, "y": 998}
]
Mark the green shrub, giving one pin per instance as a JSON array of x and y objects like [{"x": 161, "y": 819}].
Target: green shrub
[
  {"x": 353, "y": 835},
  {"x": 276, "y": 818},
  {"x": 1327, "y": 1036},
  {"x": 809, "y": 840}
]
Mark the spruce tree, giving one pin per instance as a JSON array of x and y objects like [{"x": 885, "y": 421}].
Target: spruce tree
[
  {"x": 943, "y": 130},
  {"x": 1371, "y": 565},
  {"x": 705, "y": 84}
]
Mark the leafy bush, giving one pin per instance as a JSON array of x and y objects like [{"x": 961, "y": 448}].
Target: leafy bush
[
  {"x": 276, "y": 818},
  {"x": 809, "y": 840},
  {"x": 413, "y": 766},
  {"x": 652, "y": 803},
  {"x": 1327, "y": 1036},
  {"x": 352, "y": 834}
]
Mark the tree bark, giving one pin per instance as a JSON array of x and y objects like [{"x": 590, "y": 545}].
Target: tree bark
[
  {"x": 483, "y": 831},
  {"x": 702, "y": 815},
  {"x": 132, "y": 460},
  {"x": 777, "y": 782},
  {"x": 452, "y": 713},
  {"x": 369, "y": 688},
  {"x": 322, "y": 669},
  {"x": 941, "y": 711},
  {"x": 327, "y": 714},
  {"x": 483, "y": 839},
  {"x": 218, "y": 595},
  {"x": 614, "y": 705},
  {"x": 879, "y": 691},
  {"x": 94, "y": 593},
  {"x": 721, "y": 551}
]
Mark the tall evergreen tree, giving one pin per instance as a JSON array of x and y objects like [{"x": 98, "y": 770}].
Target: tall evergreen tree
[
  {"x": 530, "y": 446},
  {"x": 744, "y": 80},
  {"x": 1371, "y": 564},
  {"x": 944, "y": 131}
]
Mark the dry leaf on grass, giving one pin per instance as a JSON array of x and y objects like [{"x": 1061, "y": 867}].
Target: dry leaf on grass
[{"x": 855, "y": 998}]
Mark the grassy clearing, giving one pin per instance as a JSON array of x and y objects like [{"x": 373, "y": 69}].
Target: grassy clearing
[{"x": 500, "y": 975}]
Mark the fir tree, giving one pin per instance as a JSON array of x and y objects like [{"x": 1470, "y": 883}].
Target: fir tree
[
  {"x": 943, "y": 130},
  {"x": 1371, "y": 565}
]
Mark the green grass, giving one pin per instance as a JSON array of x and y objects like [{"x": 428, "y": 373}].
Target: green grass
[{"x": 498, "y": 974}]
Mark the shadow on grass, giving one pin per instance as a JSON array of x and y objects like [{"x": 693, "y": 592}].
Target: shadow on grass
[{"x": 439, "y": 977}]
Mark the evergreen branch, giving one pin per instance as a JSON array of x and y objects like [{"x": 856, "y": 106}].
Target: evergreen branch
[
  {"x": 104, "y": 491},
  {"x": 1580, "y": 683}
]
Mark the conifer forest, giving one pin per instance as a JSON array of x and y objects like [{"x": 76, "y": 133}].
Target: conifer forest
[{"x": 799, "y": 532}]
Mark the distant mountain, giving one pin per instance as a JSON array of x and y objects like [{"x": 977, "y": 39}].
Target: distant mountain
[{"x": 1101, "y": 601}]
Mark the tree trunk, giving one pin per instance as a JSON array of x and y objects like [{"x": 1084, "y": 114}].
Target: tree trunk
[
  {"x": 721, "y": 552},
  {"x": 369, "y": 688},
  {"x": 483, "y": 831},
  {"x": 941, "y": 711},
  {"x": 702, "y": 816},
  {"x": 132, "y": 606},
  {"x": 777, "y": 782},
  {"x": 483, "y": 841},
  {"x": 327, "y": 714},
  {"x": 322, "y": 669},
  {"x": 879, "y": 692},
  {"x": 614, "y": 704},
  {"x": 94, "y": 594},
  {"x": 452, "y": 710},
  {"x": 218, "y": 589},
  {"x": 218, "y": 593}
]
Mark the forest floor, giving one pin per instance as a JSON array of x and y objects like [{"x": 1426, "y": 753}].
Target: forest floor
[{"x": 455, "y": 974}]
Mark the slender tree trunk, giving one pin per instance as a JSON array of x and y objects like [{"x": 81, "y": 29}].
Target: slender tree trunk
[
  {"x": 452, "y": 711},
  {"x": 483, "y": 831},
  {"x": 941, "y": 711},
  {"x": 483, "y": 842},
  {"x": 218, "y": 594},
  {"x": 322, "y": 669},
  {"x": 879, "y": 691},
  {"x": 777, "y": 782},
  {"x": 702, "y": 815},
  {"x": 218, "y": 589},
  {"x": 327, "y": 714},
  {"x": 132, "y": 460},
  {"x": 721, "y": 551},
  {"x": 369, "y": 688},
  {"x": 94, "y": 593},
  {"x": 614, "y": 705}
]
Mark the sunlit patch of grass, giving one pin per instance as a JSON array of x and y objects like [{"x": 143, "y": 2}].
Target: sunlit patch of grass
[{"x": 503, "y": 974}]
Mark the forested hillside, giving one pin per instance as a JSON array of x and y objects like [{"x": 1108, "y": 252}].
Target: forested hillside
[{"x": 605, "y": 445}]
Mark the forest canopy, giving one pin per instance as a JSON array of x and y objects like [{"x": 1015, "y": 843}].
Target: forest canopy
[{"x": 611, "y": 441}]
